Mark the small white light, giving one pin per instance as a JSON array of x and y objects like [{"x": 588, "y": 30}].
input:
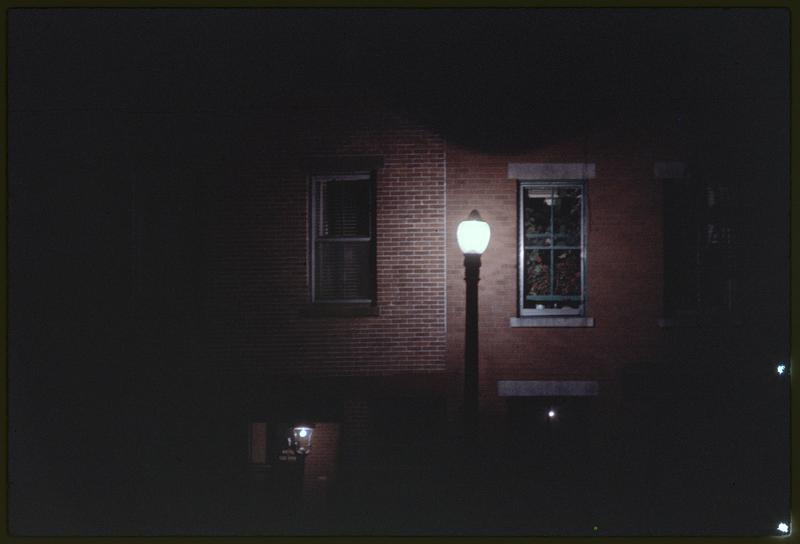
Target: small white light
[
  {"x": 781, "y": 368},
  {"x": 551, "y": 413},
  {"x": 303, "y": 433},
  {"x": 783, "y": 527}
]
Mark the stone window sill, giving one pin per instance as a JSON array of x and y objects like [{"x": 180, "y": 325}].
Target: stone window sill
[
  {"x": 340, "y": 310},
  {"x": 547, "y": 388},
  {"x": 554, "y": 321}
]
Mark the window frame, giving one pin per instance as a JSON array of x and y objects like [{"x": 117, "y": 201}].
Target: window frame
[
  {"x": 315, "y": 181},
  {"x": 550, "y": 312}
]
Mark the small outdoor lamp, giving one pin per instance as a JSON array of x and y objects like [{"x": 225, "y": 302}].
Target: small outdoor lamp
[
  {"x": 473, "y": 238},
  {"x": 300, "y": 439}
]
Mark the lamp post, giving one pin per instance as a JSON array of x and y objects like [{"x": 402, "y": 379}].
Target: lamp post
[{"x": 473, "y": 237}]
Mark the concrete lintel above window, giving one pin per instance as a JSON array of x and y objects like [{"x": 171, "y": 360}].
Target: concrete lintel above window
[
  {"x": 547, "y": 388},
  {"x": 550, "y": 170},
  {"x": 669, "y": 170},
  {"x": 574, "y": 321}
]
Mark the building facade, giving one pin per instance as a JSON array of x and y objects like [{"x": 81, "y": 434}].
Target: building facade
[{"x": 615, "y": 275}]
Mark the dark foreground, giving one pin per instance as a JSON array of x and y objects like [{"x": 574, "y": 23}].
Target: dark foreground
[{"x": 703, "y": 459}]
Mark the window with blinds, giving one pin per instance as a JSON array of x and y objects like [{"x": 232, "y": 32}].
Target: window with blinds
[{"x": 343, "y": 238}]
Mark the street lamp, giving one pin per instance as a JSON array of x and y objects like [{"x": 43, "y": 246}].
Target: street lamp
[{"x": 473, "y": 237}]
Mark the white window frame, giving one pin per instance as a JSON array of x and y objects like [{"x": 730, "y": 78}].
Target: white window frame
[{"x": 550, "y": 312}]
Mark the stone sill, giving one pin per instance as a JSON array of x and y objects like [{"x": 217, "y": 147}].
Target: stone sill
[
  {"x": 547, "y": 388},
  {"x": 573, "y": 321}
]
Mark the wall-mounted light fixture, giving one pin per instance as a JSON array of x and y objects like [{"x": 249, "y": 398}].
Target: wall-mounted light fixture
[{"x": 300, "y": 439}]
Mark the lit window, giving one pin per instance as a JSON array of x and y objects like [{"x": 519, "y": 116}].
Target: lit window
[
  {"x": 552, "y": 257},
  {"x": 343, "y": 239}
]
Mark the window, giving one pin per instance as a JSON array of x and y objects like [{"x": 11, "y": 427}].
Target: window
[
  {"x": 258, "y": 443},
  {"x": 701, "y": 225},
  {"x": 342, "y": 239},
  {"x": 719, "y": 249},
  {"x": 681, "y": 251},
  {"x": 552, "y": 244}
]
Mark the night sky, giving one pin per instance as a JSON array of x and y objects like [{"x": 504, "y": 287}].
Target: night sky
[{"x": 487, "y": 70}]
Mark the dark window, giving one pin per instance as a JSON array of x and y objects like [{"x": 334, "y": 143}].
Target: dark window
[
  {"x": 717, "y": 255},
  {"x": 552, "y": 256},
  {"x": 343, "y": 239},
  {"x": 681, "y": 256},
  {"x": 258, "y": 443},
  {"x": 700, "y": 227}
]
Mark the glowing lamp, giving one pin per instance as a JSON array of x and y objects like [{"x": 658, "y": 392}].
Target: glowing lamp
[
  {"x": 300, "y": 439},
  {"x": 783, "y": 528},
  {"x": 473, "y": 237},
  {"x": 473, "y": 234}
]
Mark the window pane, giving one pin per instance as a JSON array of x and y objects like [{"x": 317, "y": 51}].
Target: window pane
[
  {"x": 567, "y": 216},
  {"x": 568, "y": 272},
  {"x": 344, "y": 270},
  {"x": 537, "y": 268},
  {"x": 552, "y": 254},
  {"x": 537, "y": 216},
  {"x": 344, "y": 208}
]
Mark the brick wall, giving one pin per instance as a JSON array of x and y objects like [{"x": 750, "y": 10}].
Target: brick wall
[
  {"x": 257, "y": 247},
  {"x": 258, "y": 281},
  {"x": 624, "y": 267},
  {"x": 356, "y": 432},
  {"x": 319, "y": 472}
]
